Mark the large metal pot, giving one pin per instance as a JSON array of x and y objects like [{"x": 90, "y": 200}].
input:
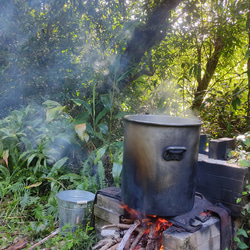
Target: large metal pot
[{"x": 159, "y": 163}]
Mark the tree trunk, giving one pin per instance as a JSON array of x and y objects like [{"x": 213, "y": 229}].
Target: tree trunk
[
  {"x": 209, "y": 72},
  {"x": 248, "y": 70},
  {"x": 144, "y": 38}
]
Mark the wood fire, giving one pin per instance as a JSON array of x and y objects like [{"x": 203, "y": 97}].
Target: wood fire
[{"x": 134, "y": 232}]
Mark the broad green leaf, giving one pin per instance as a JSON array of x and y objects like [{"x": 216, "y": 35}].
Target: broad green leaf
[
  {"x": 247, "y": 142},
  {"x": 27, "y": 143},
  {"x": 104, "y": 128},
  {"x": 101, "y": 115},
  {"x": 85, "y": 104},
  {"x": 30, "y": 159},
  {"x": 236, "y": 102},
  {"x": 53, "y": 113},
  {"x": 120, "y": 114},
  {"x": 242, "y": 232},
  {"x": 5, "y": 172},
  {"x": 107, "y": 101},
  {"x": 59, "y": 163},
  {"x": 52, "y": 103},
  {"x": 242, "y": 245},
  {"x": 82, "y": 118},
  {"x": 244, "y": 163},
  {"x": 99, "y": 154},
  {"x": 116, "y": 170}
]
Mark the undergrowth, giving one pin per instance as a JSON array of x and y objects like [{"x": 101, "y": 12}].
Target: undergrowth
[{"x": 43, "y": 151}]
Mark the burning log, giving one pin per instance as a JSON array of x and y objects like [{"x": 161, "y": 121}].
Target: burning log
[
  {"x": 127, "y": 235},
  {"x": 137, "y": 239},
  {"x": 152, "y": 240},
  {"x": 140, "y": 235}
]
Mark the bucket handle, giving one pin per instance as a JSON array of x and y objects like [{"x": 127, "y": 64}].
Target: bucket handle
[{"x": 174, "y": 153}]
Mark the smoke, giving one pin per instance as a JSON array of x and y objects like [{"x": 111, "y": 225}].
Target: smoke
[{"x": 168, "y": 98}]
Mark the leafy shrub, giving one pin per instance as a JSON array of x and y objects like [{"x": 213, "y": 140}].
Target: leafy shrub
[
  {"x": 242, "y": 156},
  {"x": 43, "y": 150}
]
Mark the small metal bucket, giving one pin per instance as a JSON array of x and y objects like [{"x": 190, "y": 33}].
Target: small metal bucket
[{"x": 74, "y": 206}]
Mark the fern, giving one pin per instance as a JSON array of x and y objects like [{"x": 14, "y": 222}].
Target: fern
[
  {"x": 39, "y": 213},
  {"x": 17, "y": 187},
  {"x": 52, "y": 209},
  {"x": 27, "y": 200}
]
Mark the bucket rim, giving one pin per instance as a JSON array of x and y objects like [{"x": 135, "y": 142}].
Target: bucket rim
[
  {"x": 86, "y": 196},
  {"x": 163, "y": 120}
]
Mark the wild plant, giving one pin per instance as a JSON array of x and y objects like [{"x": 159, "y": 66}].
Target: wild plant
[
  {"x": 102, "y": 114},
  {"x": 242, "y": 156}
]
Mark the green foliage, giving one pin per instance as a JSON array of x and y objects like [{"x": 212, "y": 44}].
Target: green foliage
[
  {"x": 223, "y": 111},
  {"x": 70, "y": 50},
  {"x": 242, "y": 237},
  {"x": 241, "y": 156},
  {"x": 37, "y": 146},
  {"x": 242, "y": 153},
  {"x": 81, "y": 238}
]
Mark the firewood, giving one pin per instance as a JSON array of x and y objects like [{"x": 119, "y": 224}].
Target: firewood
[
  {"x": 152, "y": 240},
  {"x": 128, "y": 234},
  {"x": 110, "y": 244},
  {"x": 126, "y": 221},
  {"x": 101, "y": 243},
  {"x": 114, "y": 246},
  {"x": 19, "y": 245},
  {"x": 43, "y": 240},
  {"x": 119, "y": 225},
  {"x": 137, "y": 239}
]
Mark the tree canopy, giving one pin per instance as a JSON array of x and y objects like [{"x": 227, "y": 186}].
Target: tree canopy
[{"x": 164, "y": 55}]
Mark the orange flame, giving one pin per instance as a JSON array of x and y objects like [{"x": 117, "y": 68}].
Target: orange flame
[{"x": 160, "y": 223}]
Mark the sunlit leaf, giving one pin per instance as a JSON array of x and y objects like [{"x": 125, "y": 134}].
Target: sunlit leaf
[
  {"x": 116, "y": 170},
  {"x": 34, "y": 185},
  {"x": 52, "y": 103},
  {"x": 6, "y": 156},
  {"x": 53, "y": 113},
  {"x": 80, "y": 130},
  {"x": 99, "y": 154}
]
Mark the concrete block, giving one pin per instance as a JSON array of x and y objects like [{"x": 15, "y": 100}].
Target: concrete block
[
  {"x": 219, "y": 148},
  {"x": 110, "y": 203},
  {"x": 106, "y": 214},
  {"x": 203, "y": 144},
  {"x": 220, "y": 181},
  {"x": 207, "y": 238}
]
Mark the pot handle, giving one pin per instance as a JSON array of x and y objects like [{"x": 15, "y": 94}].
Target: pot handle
[{"x": 174, "y": 153}]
